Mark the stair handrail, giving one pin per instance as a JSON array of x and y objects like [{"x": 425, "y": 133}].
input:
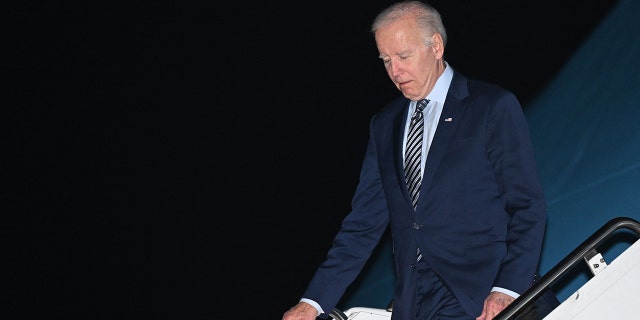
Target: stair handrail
[{"x": 577, "y": 255}]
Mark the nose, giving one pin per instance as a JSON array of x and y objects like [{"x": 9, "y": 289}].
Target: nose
[{"x": 394, "y": 69}]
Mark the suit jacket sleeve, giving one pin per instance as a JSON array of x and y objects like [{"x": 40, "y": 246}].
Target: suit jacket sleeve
[
  {"x": 511, "y": 154},
  {"x": 360, "y": 233}
]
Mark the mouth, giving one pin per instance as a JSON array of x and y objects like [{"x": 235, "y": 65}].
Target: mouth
[{"x": 402, "y": 85}]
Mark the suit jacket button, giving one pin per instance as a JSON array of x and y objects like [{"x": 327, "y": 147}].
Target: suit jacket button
[{"x": 416, "y": 226}]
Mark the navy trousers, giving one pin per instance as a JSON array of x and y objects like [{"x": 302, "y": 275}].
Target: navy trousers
[{"x": 434, "y": 300}]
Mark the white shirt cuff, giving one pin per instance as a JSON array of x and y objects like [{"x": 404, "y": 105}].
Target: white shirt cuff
[
  {"x": 505, "y": 291},
  {"x": 314, "y": 304}
]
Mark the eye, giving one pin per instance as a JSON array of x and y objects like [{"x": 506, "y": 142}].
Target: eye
[{"x": 386, "y": 61}]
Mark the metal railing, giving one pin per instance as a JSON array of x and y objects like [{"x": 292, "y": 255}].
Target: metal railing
[{"x": 582, "y": 253}]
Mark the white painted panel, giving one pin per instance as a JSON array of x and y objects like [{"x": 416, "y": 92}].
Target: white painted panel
[{"x": 613, "y": 293}]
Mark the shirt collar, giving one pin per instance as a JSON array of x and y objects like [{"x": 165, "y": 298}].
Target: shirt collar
[{"x": 439, "y": 92}]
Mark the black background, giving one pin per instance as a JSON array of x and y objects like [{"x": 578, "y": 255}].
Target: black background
[{"x": 193, "y": 160}]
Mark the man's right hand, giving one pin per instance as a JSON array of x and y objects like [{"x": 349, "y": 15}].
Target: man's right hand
[{"x": 301, "y": 311}]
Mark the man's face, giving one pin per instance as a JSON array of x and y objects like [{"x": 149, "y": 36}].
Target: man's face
[{"x": 412, "y": 65}]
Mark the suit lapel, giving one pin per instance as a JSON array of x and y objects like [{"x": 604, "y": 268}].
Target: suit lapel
[
  {"x": 398, "y": 133},
  {"x": 449, "y": 119}
]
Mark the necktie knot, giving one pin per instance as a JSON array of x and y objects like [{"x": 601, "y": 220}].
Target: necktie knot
[
  {"x": 420, "y": 108},
  {"x": 422, "y": 104}
]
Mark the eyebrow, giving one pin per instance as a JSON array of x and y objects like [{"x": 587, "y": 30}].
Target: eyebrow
[{"x": 405, "y": 52}]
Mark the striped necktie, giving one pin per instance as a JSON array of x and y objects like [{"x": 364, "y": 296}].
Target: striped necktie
[
  {"x": 413, "y": 156},
  {"x": 413, "y": 152}
]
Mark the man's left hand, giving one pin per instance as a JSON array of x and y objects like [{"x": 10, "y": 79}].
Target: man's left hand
[{"x": 494, "y": 304}]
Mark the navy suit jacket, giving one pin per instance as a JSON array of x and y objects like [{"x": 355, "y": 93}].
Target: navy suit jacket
[{"x": 481, "y": 214}]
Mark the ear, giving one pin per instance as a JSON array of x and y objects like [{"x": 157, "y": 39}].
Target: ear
[{"x": 437, "y": 45}]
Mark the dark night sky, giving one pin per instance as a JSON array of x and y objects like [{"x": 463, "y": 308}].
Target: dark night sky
[{"x": 139, "y": 194}]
